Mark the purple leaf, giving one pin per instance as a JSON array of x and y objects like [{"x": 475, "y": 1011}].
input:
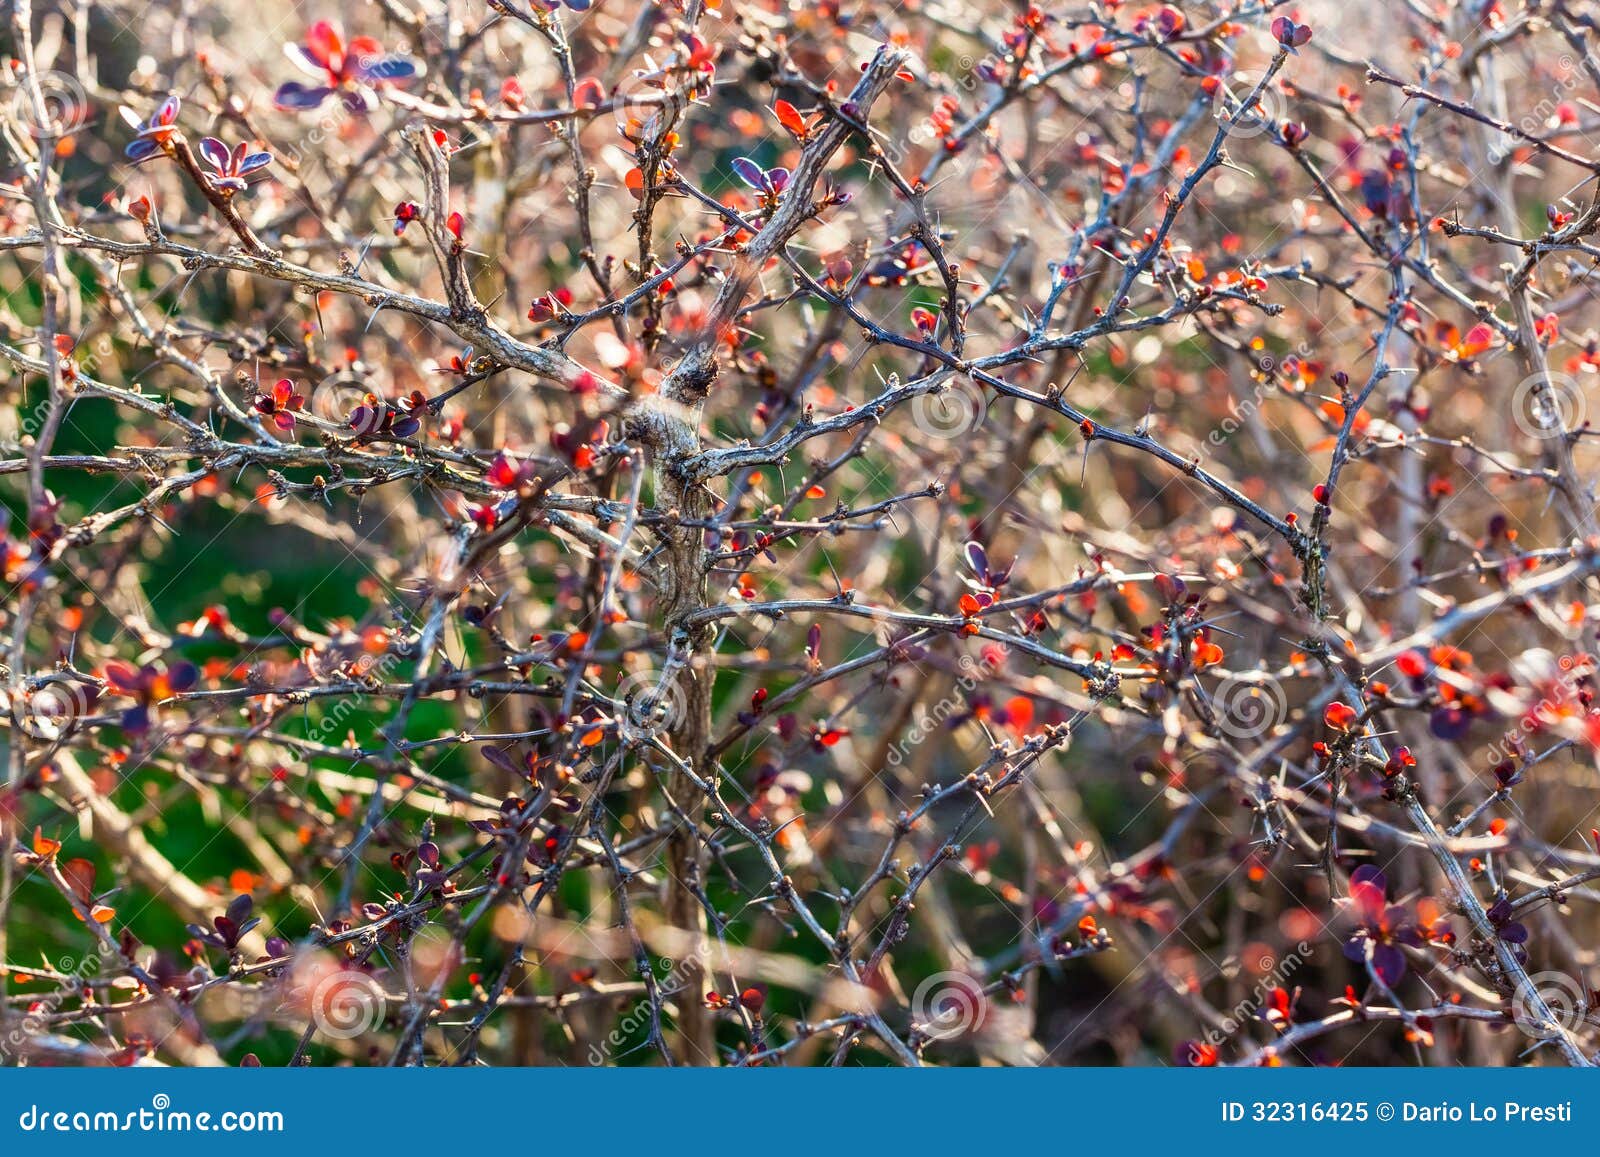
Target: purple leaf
[
  {"x": 500, "y": 758},
  {"x": 389, "y": 68},
  {"x": 303, "y": 60},
  {"x": 750, "y": 173},
  {"x": 1370, "y": 874},
  {"x": 1389, "y": 963},
  {"x": 1450, "y": 723},
  {"x": 294, "y": 95},
  {"x": 360, "y": 100},
  {"x": 978, "y": 560},
  {"x": 215, "y": 153}
]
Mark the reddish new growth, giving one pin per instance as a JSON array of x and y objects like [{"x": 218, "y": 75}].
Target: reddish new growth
[{"x": 794, "y": 533}]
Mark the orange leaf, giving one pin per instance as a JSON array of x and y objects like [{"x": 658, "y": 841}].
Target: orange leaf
[
  {"x": 1479, "y": 338},
  {"x": 101, "y": 914},
  {"x": 43, "y": 845},
  {"x": 635, "y": 184},
  {"x": 588, "y": 93},
  {"x": 790, "y": 118},
  {"x": 1339, "y": 716},
  {"x": 79, "y": 875}
]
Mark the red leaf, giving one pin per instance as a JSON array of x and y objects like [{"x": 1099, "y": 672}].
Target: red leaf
[
  {"x": 790, "y": 118},
  {"x": 588, "y": 93},
  {"x": 1479, "y": 338},
  {"x": 79, "y": 875},
  {"x": 1339, "y": 716}
]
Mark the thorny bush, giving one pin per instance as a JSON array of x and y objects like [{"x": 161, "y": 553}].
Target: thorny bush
[{"x": 799, "y": 532}]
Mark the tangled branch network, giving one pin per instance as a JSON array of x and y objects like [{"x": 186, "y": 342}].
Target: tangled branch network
[{"x": 799, "y": 532}]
